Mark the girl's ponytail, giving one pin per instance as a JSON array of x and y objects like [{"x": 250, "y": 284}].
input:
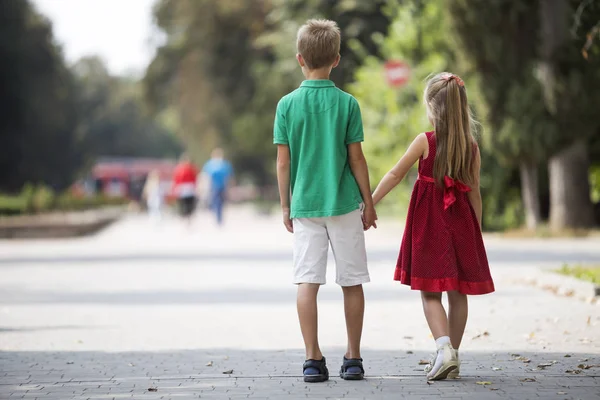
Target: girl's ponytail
[{"x": 446, "y": 101}]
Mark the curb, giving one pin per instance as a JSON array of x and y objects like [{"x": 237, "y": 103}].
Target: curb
[{"x": 562, "y": 285}]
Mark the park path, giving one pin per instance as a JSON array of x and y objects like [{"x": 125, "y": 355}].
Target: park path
[{"x": 210, "y": 313}]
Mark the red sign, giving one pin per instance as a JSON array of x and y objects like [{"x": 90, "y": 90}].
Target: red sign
[{"x": 397, "y": 73}]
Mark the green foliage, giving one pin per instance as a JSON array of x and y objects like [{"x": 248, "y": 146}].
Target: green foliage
[
  {"x": 591, "y": 274},
  {"x": 226, "y": 64},
  {"x": 595, "y": 183},
  {"x": 41, "y": 199}
]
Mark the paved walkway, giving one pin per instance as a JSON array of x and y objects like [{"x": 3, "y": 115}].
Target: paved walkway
[{"x": 160, "y": 312}]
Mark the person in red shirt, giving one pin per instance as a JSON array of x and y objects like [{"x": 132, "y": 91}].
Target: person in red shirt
[{"x": 184, "y": 186}]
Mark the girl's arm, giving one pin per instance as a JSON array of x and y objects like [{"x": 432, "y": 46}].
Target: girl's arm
[
  {"x": 417, "y": 149},
  {"x": 475, "y": 193}
]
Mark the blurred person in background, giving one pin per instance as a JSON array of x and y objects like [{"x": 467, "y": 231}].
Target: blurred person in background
[
  {"x": 153, "y": 196},
  {"x": 184, "y": 187},
  {"x": 219, "y": 172}
]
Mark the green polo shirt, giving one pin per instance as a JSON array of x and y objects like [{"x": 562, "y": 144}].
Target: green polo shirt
[{"x": 318, "y": 121}]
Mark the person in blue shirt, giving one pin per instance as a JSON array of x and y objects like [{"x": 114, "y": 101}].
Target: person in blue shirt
[{"x": 220, "y": 173}]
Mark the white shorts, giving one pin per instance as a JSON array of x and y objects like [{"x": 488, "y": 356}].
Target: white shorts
[{"x": 312, "y": 237}]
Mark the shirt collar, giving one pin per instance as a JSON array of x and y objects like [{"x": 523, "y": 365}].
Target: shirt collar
[{"x": 317, "y": 83}]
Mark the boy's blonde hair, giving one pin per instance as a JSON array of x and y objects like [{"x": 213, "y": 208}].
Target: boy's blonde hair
[{"x": 319, "y": 43}]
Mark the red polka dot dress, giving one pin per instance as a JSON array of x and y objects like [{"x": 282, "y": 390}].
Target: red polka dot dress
[{"x": 442, "y": 248}]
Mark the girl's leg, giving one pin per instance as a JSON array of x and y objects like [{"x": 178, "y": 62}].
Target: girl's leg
[
  {"x": 458, "y": 312},
  {"x": 445, "y": 360},
  {"x": 435, "y": 314}
]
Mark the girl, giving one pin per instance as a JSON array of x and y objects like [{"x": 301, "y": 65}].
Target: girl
[{"x": 442, "y": 248}]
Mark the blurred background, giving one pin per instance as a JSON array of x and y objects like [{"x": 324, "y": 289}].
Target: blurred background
[{"x": 97, "y": 94}]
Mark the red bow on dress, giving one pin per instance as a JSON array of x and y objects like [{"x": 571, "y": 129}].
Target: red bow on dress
[{"x": 451, "y": 186}]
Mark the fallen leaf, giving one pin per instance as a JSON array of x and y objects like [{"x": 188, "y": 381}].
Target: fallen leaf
[
  {"x": 153, "y": 389},
  {"x": 493, "y": 388},
  {"x": 573, "y": 371},
  {"x": 483, "y": 383},
  {"x": 586, "y": 366},
  {"x": 409, "y": 352},
  {"x": 228, "y": 372},
  {"x": 209, "y": 364},
  {"x": 528, "y": 380},
  {"x": 70, "y": 362},
  {"x": 567, "y": 355},
  {"x": 545, "y": 365},
  {"x": 485, "y": 333},
  {"x": 584, "y": 360},
  {"x": 423, "y": 362},
  {"x": 561, "y": 392},
  {"x": 515, "y": 355},
  {"x": 226, "y": 358},
  {"x": 429, "y": 383},
  {"x": 496, "y": 369},
  {"x": 131, "y": 364},
  {"x": 524, "y": 359},
  {"x": 589, "y": 320}
]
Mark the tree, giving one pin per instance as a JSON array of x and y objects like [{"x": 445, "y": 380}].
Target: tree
[
  {"x": 523, "y": 55},
  {"x": 37, "y": 111},
  {"x": 225, "y": 64}
]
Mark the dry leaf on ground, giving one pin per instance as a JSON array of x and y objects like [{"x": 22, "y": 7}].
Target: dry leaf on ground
[
  {"x": 228, "y": 372},
  {"x": 493, "y": 388},
  {"x": 209, "y": 364},
  {"x": 521, "y": 358},
  {"x": 586, "y": 366},
  {"x": 496, "y": 369},
  {"x": 545, "y": 365},
  {"x": 573, "y": 371},
  {"x": 153, "y": 389},
  {"x": 423, "y": 362},
  {"x": 483, "y": 383},
  {"x": 562, "y": 393},
  {"x": 528, "y": 380},
  {"x": 409, "y": 352},
  {"x": 589, "y": 320},
  {"x": 567, "y": 355},
  {"x": 485, "y": 333}
]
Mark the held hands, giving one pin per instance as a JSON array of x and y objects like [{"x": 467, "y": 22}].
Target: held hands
[
  {"x": 287, "y": 221},
  {"x": 369, "y": 216}
]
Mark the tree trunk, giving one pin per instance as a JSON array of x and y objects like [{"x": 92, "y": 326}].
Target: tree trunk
[
  {"x": 570, "y": 203},
  {"x": 530, "y": 194}
]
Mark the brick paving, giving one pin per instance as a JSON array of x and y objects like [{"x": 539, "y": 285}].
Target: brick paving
[{"x": 142, "y": 307}]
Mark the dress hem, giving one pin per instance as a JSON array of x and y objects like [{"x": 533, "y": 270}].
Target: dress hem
[{"x": 444, "y": 284}]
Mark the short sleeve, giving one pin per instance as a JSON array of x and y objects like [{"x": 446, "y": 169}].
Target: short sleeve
[
  {"x": 280, "y": 135},
  {"x": 355, "y": 133}
]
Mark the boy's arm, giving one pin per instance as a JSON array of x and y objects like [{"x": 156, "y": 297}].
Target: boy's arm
[
  {"x": 283, "y": 182},
  {"x": 358, "y": 165},
  {"x": 396, "y": 174},
  {"x": 475, "y": 193}
]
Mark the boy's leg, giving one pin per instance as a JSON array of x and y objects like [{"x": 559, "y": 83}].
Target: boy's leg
[
  {"x": 347, "y": 238},
  {"x": 308, "y": 316},
  {"x": 354, "y": 308},
  {"x": 310, "y": 264}
]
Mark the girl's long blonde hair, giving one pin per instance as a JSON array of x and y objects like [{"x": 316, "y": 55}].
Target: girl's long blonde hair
[{"x": 448, "y": 109}]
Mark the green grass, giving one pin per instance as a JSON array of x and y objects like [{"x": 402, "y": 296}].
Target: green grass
[{"x": 590, "y": 274}]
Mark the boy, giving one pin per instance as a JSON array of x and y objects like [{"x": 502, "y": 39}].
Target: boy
[{"x": 320, "y": 165}]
